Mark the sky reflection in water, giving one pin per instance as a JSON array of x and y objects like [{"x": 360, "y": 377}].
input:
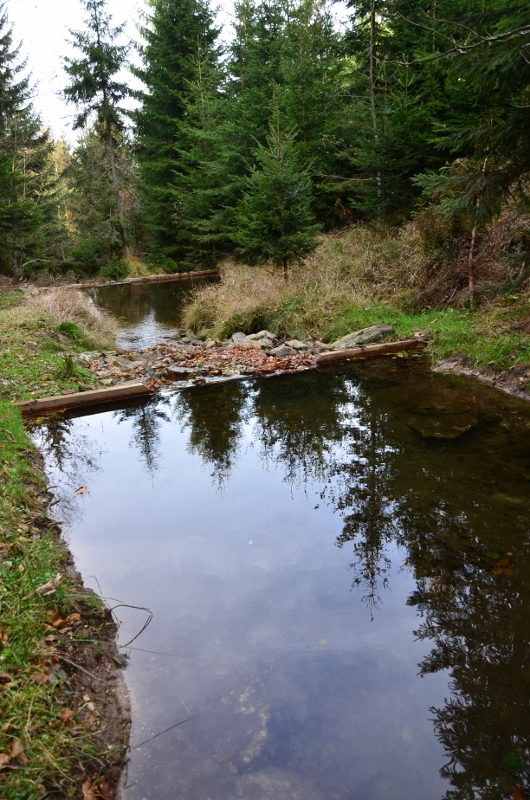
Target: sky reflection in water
[{"x": 343, "y": 587}]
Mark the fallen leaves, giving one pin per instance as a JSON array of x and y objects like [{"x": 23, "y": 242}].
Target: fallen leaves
[
  {"x": 203, "y": 362},
  {"x": 66, "y": 716},
  {"x": 81, "y": 490},
  {"x": 97, "y": 790},
  {"x": 16, "y": 753}
]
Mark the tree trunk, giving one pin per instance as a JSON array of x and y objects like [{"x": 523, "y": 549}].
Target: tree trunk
[
  {"x": 373, "y": 108},
  {"x": 116, "y": 185},
  {"x": 470, "y": 258}
]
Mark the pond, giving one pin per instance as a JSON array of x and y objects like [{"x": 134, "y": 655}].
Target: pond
[
  {"x": 147, "y": 313},
  {"x": 338, "y": 566}
]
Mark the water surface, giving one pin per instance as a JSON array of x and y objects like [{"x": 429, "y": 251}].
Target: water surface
[
  {"x": 339, "y": 570},
  {"x": 147, "y": 313}
]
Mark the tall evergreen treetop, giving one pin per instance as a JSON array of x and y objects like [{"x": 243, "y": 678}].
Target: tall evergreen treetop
[
  {"x": 174, "y": 32},
  {"x": 26, "y": 184},
  {"x": 14, "y": 90},
  {"x": 95, "y": 88}
]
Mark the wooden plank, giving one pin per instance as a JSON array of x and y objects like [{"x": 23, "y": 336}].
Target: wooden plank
[
  {"x": 177, "y": 276},
  {"x": 369, "y": 351},
  {"x": 92, "y": 397}
]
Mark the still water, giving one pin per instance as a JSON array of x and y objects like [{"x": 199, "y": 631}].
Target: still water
[
  {"x": 146, "y": 313},
  {"x": 338, "y": 566}
]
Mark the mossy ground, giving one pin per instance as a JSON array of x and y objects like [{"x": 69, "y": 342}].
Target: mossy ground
[{"x": 47, "y": 746}]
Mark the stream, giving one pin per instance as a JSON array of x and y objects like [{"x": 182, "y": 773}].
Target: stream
[
  {"x": 338, "y": 567},
  {"x": 147, "y": 313}
]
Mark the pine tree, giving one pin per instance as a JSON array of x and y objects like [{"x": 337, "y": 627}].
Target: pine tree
[
  {"x": 311, "y": 96},
  {"x": 274, "y": 220},
  {"x": 173, "y": 32},
  {"x": 91, "y": 203},
  {"x": 206, "y": 185},
  {"x": 26, "y": 186},
  {"x": 95, "y": 89}
]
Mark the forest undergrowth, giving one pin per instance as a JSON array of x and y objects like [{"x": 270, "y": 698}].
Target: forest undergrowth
[{"x": 415, "y": 278}]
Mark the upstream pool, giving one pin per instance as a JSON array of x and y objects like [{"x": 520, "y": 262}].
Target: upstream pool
[{"x": 338, "y": 566}]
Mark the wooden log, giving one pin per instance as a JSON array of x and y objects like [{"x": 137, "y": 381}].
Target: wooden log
[
  {"x": 369, "y": 351},
  {"x": 177, "y": 276},
  {"x": 93, "y": 397}
]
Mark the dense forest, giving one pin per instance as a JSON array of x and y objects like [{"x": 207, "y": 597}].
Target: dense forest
[{"x": 253, "y": 141}]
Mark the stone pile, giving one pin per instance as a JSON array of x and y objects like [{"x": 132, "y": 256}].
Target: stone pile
[{"x": 188, "y": 359}]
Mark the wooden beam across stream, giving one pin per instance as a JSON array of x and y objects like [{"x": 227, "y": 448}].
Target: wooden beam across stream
[
  {"x": 175, "y": 276},
  {"x": 92, "y": 397},
  {"x": 369, "y": 351}
]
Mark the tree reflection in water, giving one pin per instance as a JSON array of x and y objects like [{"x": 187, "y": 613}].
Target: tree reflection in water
[
  {"x": 146, "y": 422},
  {"x": 406, "y": 459},
  {"x": 214, "y": 415},
  {"x": 73, "y": 452}
]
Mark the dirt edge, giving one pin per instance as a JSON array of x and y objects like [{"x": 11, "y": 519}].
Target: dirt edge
[{"x": 95, "y": 674}]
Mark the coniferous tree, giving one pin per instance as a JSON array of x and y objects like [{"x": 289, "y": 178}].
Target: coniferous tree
[
  {"x": 27, "y": 193},
  {"x": 206, "y": 185},
  {"x": 91, "y": 203},
  {"x": 311, "y": 96},
  {"x": 173, "y": 32},
  {"x": 274, "y": 220},
  {"x": 96, "y": 91}
]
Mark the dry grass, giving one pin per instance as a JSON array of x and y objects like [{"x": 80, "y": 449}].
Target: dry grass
[
  {"x": 422, "y": 266},
  {"x": 359, "y": 267},
  {"x": 69, "y": 306}
]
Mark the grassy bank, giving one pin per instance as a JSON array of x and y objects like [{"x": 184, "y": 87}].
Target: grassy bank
[
  {"x": 363, "y": 277},
  {"x": 50, "y": 742}
]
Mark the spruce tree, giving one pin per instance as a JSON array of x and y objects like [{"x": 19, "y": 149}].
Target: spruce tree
[
  {"x": 274, "y": 220},
  {"x": 91, "y": 203},
  {"x": 311, "y": 95},
  {"x": 97, "y": 92},
  {"x": 26, "y": 185},
  {"x": 206, "y": 184},
  {"x": 173, "y": 32}
]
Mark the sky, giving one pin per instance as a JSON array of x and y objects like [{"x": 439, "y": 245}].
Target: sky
[{"x": 42, "y": 26}]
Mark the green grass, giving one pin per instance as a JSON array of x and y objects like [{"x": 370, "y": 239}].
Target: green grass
[
  {"x": 483, "y": 337},
  {"x": 30, "y": 555},
  {"x": 34, "y": 690},
  {"x": 33, "y": 361}
]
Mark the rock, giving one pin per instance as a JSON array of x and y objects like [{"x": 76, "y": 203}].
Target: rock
[
  {"x": 106, "y": 381},
  {"x": 210, "y": 343},
  {"x": 84, "y": 359},
  {"x": 283, "y": 351},
  {"x": 296, "y": 344},
  {"x": 265, "y": 344},
  {"x": 254, "y": 337},
  {"x": 319, "y": 347},
  {"x": 250, "y": 345},
  {"x": 237, "y": 337},
  {"x": 375, "y": 333},
  {"x": 179, "y": 373},
  {"x": 186, "y": 340},
  {"x": 442, "y": 419}
]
